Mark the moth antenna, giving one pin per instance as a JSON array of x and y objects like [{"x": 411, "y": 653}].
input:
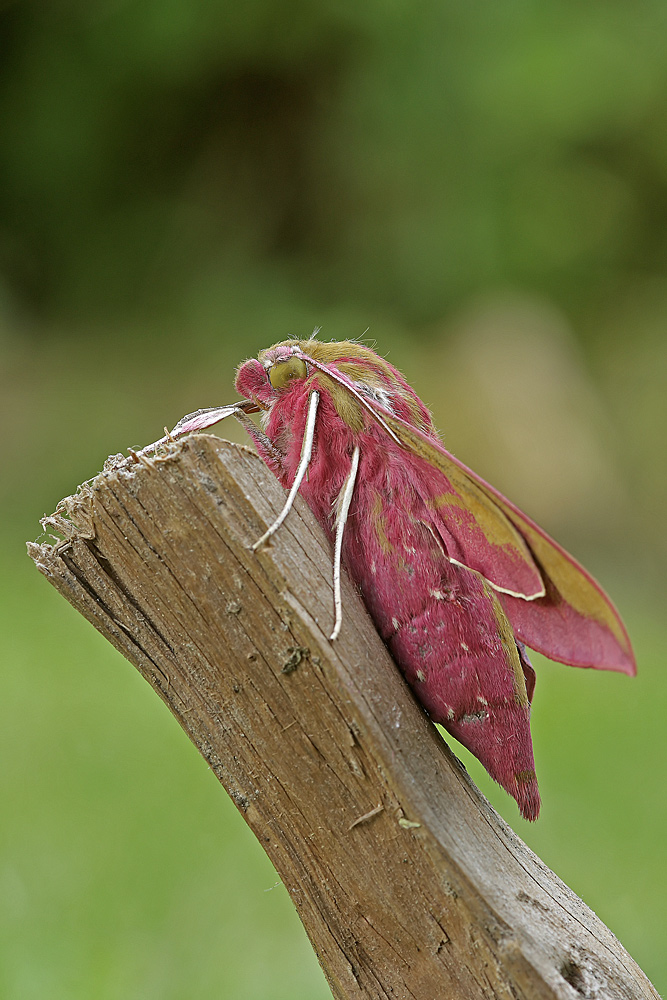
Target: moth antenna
[
  {"x": 341, "y": 520},
  {"x": 306, "y": 452},
  {"x": 199, "y": 421}
]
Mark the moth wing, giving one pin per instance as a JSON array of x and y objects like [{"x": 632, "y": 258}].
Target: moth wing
[
  {"x": 478, "y": 689},
  {"x": 572, "y": 621},
  {"x": 472, "y": 528},
  {"x": 475, "y": 533}
]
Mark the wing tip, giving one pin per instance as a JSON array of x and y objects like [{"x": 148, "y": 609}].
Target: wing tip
[
  {"x": 628, "y": 665},
  {"x": 526, "y": 794},
  {"x": 623, "y": 663}
]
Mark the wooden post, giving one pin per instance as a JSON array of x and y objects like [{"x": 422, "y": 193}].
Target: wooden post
[{"x": 406, "y": 880}]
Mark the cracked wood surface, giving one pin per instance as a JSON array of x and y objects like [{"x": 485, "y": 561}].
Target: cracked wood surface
[{"x": 408, "y": 883}]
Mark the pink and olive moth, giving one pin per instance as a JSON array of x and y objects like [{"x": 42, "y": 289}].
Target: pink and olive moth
[{"x": 456, "y": 578}]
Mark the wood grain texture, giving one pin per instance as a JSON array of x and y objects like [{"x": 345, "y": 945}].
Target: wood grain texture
[{"x": 406, "y": 880}]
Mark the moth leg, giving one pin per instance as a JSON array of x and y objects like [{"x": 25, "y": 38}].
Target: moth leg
[
  {"x": 306, "y": 452},
  {"x": 273, "y": 457},
  {"x": 341, "y": 519}
]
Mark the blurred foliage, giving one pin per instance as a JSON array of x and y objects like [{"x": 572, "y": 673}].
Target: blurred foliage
[
  {"x": 481, "y": 190},
  {"x": 398, "y": 155}
]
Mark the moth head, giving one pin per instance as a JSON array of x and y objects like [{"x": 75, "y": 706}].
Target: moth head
[
  {"x": 281, "y": 373},
  {"x": 358, "y": 381},
  {"x": 265, "y": 378}
]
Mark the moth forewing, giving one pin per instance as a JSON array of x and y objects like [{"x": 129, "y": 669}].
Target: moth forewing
[{"x": 571, "y": 608}]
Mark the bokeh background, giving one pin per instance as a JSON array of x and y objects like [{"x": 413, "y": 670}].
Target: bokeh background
[{"x": 478, "y": 189}]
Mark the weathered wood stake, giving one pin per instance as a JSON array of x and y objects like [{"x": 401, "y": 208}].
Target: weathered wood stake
[{"x": 406, "y": 880}]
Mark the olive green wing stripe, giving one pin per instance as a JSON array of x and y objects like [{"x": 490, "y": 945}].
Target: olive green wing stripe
[
  {"x": 499, "y": 531},
  {"x": 574, "y": 584}
]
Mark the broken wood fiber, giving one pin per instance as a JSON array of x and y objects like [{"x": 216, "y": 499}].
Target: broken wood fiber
[{"x": 406, "y": 880}]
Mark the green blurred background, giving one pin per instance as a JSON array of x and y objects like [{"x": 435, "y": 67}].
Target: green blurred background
[{"x": 478, "y": 189}]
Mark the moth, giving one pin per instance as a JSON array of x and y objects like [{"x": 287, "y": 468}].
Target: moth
[{"x": 456, "y": 578}]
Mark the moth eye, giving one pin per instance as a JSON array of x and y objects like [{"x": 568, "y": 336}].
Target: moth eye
[{"x": 282, "y": 373}]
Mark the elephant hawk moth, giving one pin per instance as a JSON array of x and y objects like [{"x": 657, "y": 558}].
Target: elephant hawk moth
[{"x": 456, "y": 578}]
